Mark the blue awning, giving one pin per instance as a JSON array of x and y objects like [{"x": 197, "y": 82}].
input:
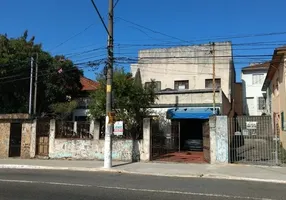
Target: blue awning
[{"x": 189, "y": 113}]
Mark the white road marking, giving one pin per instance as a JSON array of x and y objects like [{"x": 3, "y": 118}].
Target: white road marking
[{"x": 136, "y": 189}]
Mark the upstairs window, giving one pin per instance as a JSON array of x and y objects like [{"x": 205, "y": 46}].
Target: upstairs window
[
  {"x": 158, "y": 85},
  {"x": 209, "y": 83},
  {"x": 257, "y": 79},
  {"x": 181, "y": 85}
]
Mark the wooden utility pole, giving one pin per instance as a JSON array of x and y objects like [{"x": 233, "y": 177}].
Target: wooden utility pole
[
  {"x": 214, "y": 83},
  {"x": 31, "y": 85},
  {"x": 36, "y": 85}
]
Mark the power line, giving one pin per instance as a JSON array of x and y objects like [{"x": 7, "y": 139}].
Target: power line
[
  {"x": 157, "y": 32},
  {"x": 72, "y": 37}
]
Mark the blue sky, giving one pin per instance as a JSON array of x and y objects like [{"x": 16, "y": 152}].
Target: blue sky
[{"x": 56, "y": 22}]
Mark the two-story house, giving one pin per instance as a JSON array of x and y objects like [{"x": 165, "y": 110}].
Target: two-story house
[
  {"x": 184, "y": 77},
  {"x": 252, "y": 78},
  {"x": 81, "y": 112},
  {"x": 274, "y": 89}
]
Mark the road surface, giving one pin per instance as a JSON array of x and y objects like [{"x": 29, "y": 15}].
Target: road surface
[{"x": 67, "y": 185}]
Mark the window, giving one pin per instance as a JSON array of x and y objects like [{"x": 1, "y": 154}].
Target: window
[
  {"x": 181, "y": 85},
  {"x": 257, "y": 79},
  {"x": 158, "y": 85},
  {"x": 261, "y": 103},
  {"x": 209, "y": 83}
]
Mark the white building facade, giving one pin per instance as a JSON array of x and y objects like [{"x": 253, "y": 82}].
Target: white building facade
[{"x": 252, "y": 78}]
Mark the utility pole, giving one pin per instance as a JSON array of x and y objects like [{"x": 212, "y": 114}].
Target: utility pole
[
  {"x": 109, "y": 119},
  {"x": 109, "y": 76},
  {"x": 36, "y": 85},
  {"x": 31, "y": 86},
  {"x": 214, "y": 84}
]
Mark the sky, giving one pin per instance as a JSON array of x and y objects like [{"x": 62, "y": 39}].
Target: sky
[{"x": 73, "y": 28}]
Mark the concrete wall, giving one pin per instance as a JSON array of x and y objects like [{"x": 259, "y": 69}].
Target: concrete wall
[
  {"x": 28, "y": 139},
  {"x": 219, "y": 148},
  {"x": 252, "y": 90},
  {"x": 194, "y": 97},
  {"x": 15, "y": 116},
  {"x": 238, "y": 98},
  {"x": 192, "y": 63},
  {"x": 124, "y": 150},
  {"x": 226, "y": 105}
]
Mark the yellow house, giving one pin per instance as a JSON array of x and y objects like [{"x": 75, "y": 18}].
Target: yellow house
[{"x": 274, "y": 89}]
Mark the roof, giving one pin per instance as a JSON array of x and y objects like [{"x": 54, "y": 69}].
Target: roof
[
  {"x": 257, "y": 66},
  {"x": 274, "y": 65},
  {"x": 88, "y": 84}
]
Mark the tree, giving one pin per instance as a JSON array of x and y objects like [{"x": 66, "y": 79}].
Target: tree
[
  {"x": 57, "y": 77},
  {"x": 132, "y": 102}
]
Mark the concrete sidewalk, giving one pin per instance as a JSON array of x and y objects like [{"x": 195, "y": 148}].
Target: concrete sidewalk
[{"x": 234, "y": 172}]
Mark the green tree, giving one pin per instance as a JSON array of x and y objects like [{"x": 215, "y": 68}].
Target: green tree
[
  {"x": 131, "y": 101},
  {"x": 53, "y": 87}
]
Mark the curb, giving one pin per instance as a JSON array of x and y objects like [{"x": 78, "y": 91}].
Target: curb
[{"x": 84, "y": 169}]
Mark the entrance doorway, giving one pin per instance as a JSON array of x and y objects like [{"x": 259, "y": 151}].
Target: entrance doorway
[
  {"x": 42, "y": 138},
  {"x": 179, "y": 140},
  {"x": 15, "y": 140}
]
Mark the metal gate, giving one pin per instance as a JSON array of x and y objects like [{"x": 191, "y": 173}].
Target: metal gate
[
  {"x": 165, "y": 139},
  {"x": 252, "y": 140},
  {"x": 42, "y": 137}
]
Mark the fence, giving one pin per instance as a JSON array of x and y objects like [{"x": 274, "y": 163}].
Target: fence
[
  {"x": 252, "y": 140},
  {"x": 131, "y": 132},
  {"x": 73, "y": 129}
]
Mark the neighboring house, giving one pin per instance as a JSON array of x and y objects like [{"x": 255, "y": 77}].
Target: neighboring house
[
  {"x": 184, "y": 78},
  {"x": 252, "y": 78},
  {"x": 274, "y": 90},
  {"x": 81, "y": 112}
]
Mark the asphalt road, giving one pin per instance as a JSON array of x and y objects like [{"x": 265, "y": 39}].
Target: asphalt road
[{"x": 66, "y": 185}]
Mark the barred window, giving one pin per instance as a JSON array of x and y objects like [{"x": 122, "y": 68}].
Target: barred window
[
  {"x": 261, "y": 103},
  {"x": 181, "y": 85},
  {"x": 209, "y": 83}
]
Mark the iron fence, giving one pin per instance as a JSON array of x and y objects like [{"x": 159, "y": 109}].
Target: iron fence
[
  {"x": 72, "y": 129},
  {"x": 83, "y": 130},
  {"x": 253, "y": 140}
]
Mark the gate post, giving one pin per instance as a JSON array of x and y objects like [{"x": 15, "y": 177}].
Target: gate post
[
  {"x": 219, "y": 139},
  {"x": 33, "y": 139},
  {"x": 52, "y": 136},
  {"x": 146, "y": 156}
]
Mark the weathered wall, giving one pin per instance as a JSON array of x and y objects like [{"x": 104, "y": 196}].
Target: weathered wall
[
  {"x": 226, "y": 105},
  {"x": 219, "y": 152},
  {"x": 26, "y": 140},
  {"x": 125, "y": 150},
  {"x": 190, "y": 63},
  {"x": 15, "y": 116},
  {"x": 206, "y": 141},
  {"x": 4, "y": 139}
]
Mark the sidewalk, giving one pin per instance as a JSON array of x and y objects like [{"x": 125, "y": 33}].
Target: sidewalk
[{"x": 234, "y": 172}]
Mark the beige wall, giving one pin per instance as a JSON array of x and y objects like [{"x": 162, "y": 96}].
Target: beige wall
[
  {"x": 189, "y": 98},
  {"x": 278, "y": 98},
  {"x": 193, "y": 63}
]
